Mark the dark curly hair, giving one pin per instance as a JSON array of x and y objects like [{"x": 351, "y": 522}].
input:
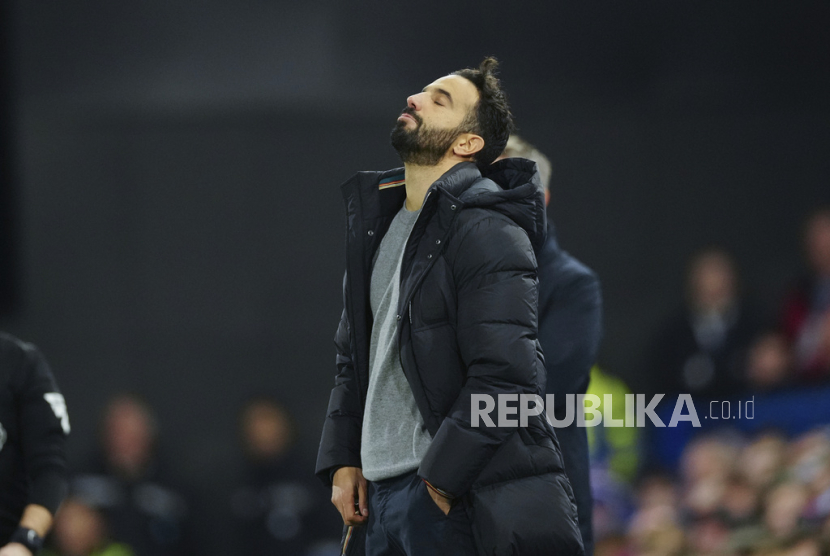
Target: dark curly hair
[{"x": 491, "y": 117}]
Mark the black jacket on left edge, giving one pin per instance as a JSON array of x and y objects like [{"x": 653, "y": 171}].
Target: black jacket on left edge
[
  {"x": 468, "y": 325},
  {"x": 33, "y": 429}
]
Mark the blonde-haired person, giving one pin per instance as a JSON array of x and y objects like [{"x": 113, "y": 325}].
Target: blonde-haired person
[{"x": 519, "y": 148}]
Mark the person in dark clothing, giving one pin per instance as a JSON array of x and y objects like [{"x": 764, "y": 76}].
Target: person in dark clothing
[
  {"x": 570, "y": 328},
  {"x": 275, "y": 509},
  {"x": 701, "y": 349},
  {"x": 33, "y": 427},
  {"x": 805, "y": 316},
  {"x": 143, "y": 502},
  {"x": 440, "y": 298}
]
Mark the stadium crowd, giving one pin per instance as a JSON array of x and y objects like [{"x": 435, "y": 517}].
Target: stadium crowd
[{"x": 764, "y": 492}]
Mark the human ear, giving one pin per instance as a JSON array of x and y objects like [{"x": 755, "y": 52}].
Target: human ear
[{"x": 467, "y": 145}]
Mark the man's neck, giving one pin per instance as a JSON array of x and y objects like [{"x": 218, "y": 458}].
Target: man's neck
[{"x": 420, "y": 178}]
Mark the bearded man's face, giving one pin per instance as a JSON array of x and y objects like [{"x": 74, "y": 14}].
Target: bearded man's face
[
  {"x": 422, "y": 146},
  {"x": 433, "y": 119}
]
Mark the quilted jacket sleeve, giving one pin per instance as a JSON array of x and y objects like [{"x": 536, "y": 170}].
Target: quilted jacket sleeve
[
  {"x": 495, "y": 273},
  {"x": 44, "y": 426},
  {"x": 340, "y": 442}
]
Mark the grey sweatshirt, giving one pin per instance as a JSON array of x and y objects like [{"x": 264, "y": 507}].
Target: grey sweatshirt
[{"x": 394, "y": 437}]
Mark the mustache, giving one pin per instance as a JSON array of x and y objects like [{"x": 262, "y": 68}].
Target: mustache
[{"x": 411, "y": 112}]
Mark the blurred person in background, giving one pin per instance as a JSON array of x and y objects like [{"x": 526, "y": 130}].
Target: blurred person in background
[
  {"x": 612, "y": 506},
  {"x": 275, "y": 508},
  {"x": 784, "y": 506},
  {"x": 769, "y": 364},
  {"x": 612, "y": 545},
  {"x": 701, "y": 349},
  {"x": 570, "y": 327},
  {"x": 707, "y": 536},
  {"x": 33, "y": 427},
  {"x": 709, "y": 457},
  {"x": 741, "y": 502},
  {"x": 806, "y": 546},
  {"x": 653, "y": 532},
  {"x": 656, "y": 506},
  {"x": 762, "y": 462},
  {"x": 144, "y": 503},
  {"x": 706, "y": 467},
  {"x": 80, "y": 530},
  {"x": 809, "y": 462},
  {"x": 658, "y": 491},
  {"x": 614, "y": 457},
  {"x": 615, "y": 450},
  {"x": 806, "y": 311}
]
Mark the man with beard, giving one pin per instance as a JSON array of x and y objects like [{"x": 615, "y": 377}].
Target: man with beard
[{"x": 440, "y": 298}]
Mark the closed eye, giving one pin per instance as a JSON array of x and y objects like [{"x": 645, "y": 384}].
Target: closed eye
[{"x": 438, "y": 93}]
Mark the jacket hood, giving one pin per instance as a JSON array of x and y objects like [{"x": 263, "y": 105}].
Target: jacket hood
[{"x": 512, "y": 187}]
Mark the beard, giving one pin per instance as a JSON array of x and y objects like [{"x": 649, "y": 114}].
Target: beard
[{"x": 422, "y": 146}]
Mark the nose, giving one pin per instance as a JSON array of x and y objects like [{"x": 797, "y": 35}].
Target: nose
[{"x": 414, "y": 101}]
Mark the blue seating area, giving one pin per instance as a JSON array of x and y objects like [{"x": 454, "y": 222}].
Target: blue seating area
[{"x": 790, "y": 412}]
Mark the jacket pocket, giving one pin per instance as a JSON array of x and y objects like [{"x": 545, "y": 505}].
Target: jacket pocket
[
  {"x": 533, "y": 516},
  {"x": 432, "y": 311}
]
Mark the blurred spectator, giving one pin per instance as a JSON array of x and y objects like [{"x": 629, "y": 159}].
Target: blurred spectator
[
  {"x": 614, "y": 545},
  {"x": 614, "y": 457},
  {"x": 144, "y": 504},
  {"x": 80, "y": 530},
  {"x": 741, "y": 502},
  {"x": 806, "y": 312},
  {"x": 656, "y": 519},
  {"x": 809, "y": 463},
  {"x": 615, "y": 448},
  {"x": 279, "y": 508},
  {"x": 807, "y": 546},
  {"x": 708, "y": 458},
  {"x": 761, "y": 462},
  {"x": 706, "y": 467},
  {"x": 701, "y": 348},
  {"x": 612, "y": 508},
  {"x": 656, "y": 533},
  {"x": 784, "y": 506},
  {"x": 708, "y": 536},
  {"x": 769, "y": 363},
  {"x": 658, "y": 491},
  {"x": 735, "y": 496}
]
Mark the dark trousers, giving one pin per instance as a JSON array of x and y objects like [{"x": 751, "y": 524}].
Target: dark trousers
[
  {"x": 574, "y": 443},
  {"x": 405, "y": 521}
]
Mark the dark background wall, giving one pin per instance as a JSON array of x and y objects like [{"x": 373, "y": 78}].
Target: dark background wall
[
  {"x": 8, "y": 232},
  {"x": 177, "y": 166}
]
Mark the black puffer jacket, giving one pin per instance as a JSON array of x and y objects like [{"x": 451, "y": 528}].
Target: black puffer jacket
[{"x": 468, "y": 325}]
